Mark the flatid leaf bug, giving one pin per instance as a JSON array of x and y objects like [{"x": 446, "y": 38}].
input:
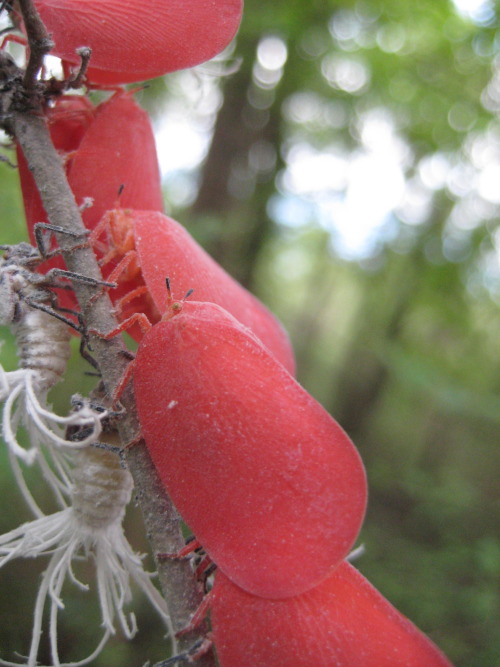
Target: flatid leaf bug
[
  {"x": 147, "y": 246},
  {"x": 269, "y": 483},
  {"x": 134, "y": 41},
  {"x": 343, "y": 621}
]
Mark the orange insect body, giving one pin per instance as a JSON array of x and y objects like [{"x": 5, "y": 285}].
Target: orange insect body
[
  {"x": 120, "y": 264},
  {"x": 119, "y": 244}
]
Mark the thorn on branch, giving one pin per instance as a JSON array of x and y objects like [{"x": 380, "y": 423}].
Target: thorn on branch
[
  {"x": 84, "y": 52},
  {"x": 75, "y": 80}
]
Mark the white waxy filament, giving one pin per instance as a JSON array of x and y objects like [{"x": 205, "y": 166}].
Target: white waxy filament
[
  {"x": 91, "y": 527},
  {"x": 43, "y": 351}
]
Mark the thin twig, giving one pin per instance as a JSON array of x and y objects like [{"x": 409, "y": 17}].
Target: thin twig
[
  {"x": 76, "y": 80},
  {"x": 39, "y": 42}
]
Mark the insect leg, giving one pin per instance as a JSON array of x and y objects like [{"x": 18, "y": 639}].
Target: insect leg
[
  {"x": 80, "y": 278},
  {"x": 194, "y": 652},
  {"x": 41, "y": 238}
]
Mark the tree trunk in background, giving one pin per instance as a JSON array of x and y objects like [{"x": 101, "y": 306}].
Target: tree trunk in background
[
  {"x": 231, "y": 140},
  {"x": 239, "y": 172}
]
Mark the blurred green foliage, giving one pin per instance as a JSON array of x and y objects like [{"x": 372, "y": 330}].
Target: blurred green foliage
[{"x": 401, "y": 345}]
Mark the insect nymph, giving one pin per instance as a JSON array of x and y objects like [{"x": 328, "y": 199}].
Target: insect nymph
[{"x": 42, "y": 334}]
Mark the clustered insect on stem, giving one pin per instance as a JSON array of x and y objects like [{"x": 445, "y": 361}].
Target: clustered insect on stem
[
  {"x": 96, "y": 491},
  {"x": 272, "y": 487},
  {"x": 43, "y": 340}
]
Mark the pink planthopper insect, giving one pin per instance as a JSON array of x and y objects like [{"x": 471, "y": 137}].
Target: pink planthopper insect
[
  {"x": 134, "y": 41},
  {"x": 343, "y": 621},
  {"x": 267, "y": 480},
  {"x": 145, "y": 246}
]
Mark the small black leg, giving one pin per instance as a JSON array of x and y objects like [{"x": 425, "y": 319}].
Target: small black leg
[
  {"x": 41, "y": 238},
  {"x": 79, "y": 278}
]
